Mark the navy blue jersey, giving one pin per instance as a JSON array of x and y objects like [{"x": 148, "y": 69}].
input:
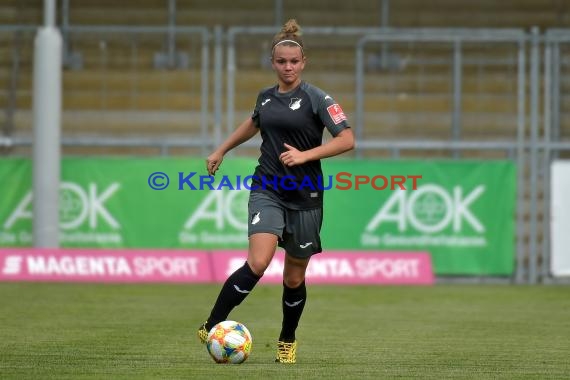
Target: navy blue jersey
[{"x": 297, "y": 118}]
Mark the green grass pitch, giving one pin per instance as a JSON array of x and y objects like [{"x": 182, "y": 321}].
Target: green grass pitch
[{"x": 76, "y": 331}]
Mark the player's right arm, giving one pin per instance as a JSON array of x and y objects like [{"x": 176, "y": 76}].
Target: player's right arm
[{"x": 244, "y": 132}]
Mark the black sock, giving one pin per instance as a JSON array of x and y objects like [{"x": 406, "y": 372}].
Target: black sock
[
  {"x": 235, "y": 289},
  {"x": 293, "y": 302}
]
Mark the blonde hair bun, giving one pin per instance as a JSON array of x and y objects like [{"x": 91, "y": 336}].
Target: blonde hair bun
[
  {"x": 290, "y": 34},
  {"x": 291, "y": 27}
]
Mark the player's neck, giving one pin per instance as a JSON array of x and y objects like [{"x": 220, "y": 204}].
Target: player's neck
[{"x": 283, "y": 87}]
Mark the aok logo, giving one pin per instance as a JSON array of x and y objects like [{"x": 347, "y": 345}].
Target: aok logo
[
  {"x": 429, "y": 209},
  {"x": 76, "y": 206},
  {"x": 224, "y": 208}
]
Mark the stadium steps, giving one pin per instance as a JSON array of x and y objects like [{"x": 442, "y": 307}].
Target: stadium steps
[
  {"x": 142, "y": 151},
  {"x": 171, "y": 91},
  {"x": 403, "y": 13},
  {"x": 419, "y": 13},
  {"x": 387, "y": 82},
  {"x": 150, "y": 88},
  {"x": 21, "y": 12},
  {"x": 388, "y": 93},
  {"x": 117, "y": 123}
]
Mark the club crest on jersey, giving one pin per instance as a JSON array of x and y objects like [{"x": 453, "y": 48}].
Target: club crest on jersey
[{"x": 295, "y": 103}]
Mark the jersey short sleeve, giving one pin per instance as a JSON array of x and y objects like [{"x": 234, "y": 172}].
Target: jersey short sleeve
[
  {"x": 328, "y": 110},
  {"x": 258, "y": 104}
]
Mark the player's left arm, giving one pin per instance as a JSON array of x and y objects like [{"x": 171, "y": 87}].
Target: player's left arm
[
  {"x": 333, "y": 118},
  {"x": 342, "y": 142}
]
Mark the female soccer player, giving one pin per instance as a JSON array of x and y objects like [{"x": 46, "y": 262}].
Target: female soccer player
[{"x": 291, "y": 117}]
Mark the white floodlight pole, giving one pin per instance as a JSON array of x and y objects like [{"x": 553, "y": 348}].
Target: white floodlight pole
[{"x": 47, "y": 126}]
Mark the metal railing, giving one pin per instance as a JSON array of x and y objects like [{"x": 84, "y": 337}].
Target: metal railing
[
  {"x": 268, "y": 32},
  {"x": 457, "y": 38},
  {"x": 102, "y": 49},
  {"x": 553, "y": 142}
]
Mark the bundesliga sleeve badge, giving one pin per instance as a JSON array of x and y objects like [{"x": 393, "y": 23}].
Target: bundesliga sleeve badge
[{"x": 336, "y": 113}]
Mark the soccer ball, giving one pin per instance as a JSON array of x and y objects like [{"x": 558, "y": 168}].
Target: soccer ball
[{"x": 229, "y": 342}]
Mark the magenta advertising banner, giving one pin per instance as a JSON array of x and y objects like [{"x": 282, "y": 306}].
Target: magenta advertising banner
[
  {"x": 336, "y": 267},
  {"x": 99, "y": 265},
  {"x": 179, "y": 266}
]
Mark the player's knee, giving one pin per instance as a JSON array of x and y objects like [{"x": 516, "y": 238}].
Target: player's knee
[
  {"x": 258, "y": 266},
  {"x": 293, "y": 281}
]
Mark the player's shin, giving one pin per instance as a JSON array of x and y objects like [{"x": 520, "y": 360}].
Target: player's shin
[
  {"x": 237, "y": 286},
  {"x": 293, "y": 303}
]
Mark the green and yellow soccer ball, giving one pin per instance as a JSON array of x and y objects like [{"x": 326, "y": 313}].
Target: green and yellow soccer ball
[{"x": 229, "y": 342}]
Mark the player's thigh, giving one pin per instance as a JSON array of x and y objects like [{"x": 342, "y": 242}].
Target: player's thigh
[
  {"x": 265, "y": 226},
  {"x": 266, "y": 215}
]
